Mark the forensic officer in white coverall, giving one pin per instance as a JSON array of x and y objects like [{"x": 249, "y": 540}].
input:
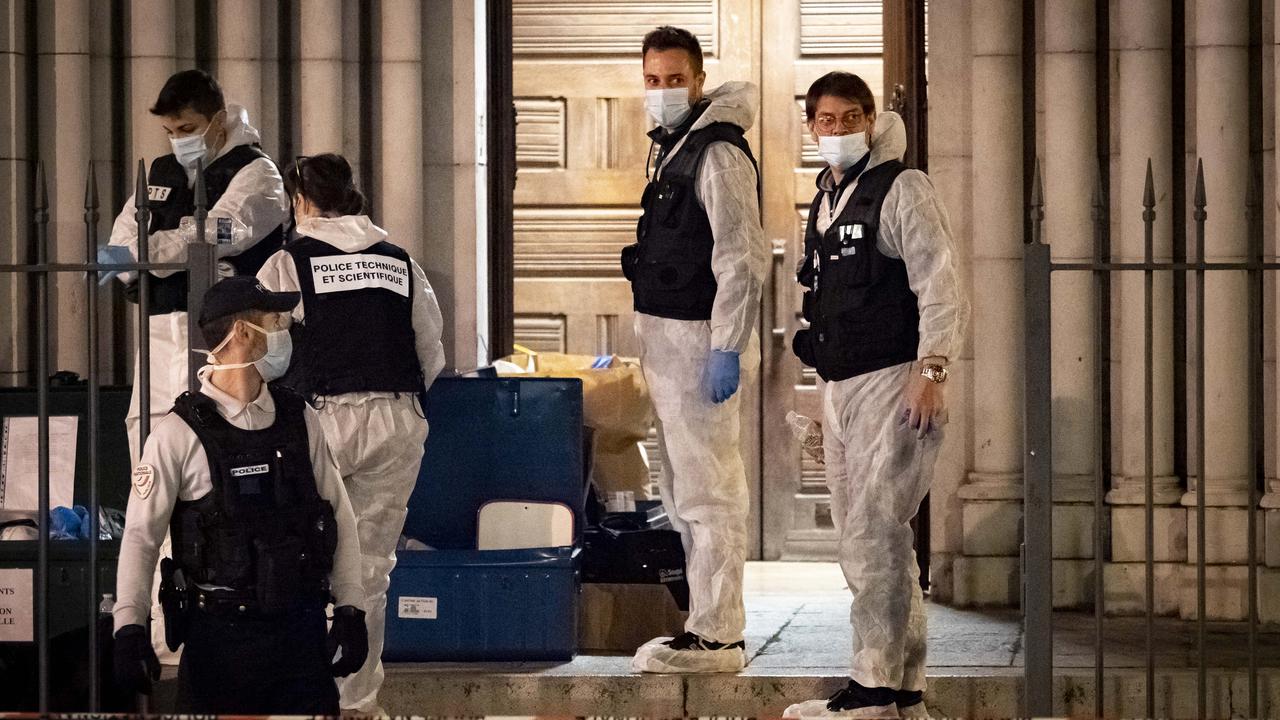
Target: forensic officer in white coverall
[
  {"x": 368, "y": 341},
  {"x": 886, "y": 316},
  {"x": 242, "y": 184},
  {"x": 696, "y": 274}
]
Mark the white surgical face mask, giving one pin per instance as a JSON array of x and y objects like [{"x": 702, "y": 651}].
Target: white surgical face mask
[
  {"x": 273, "y": 363},
  {"x": 668, "y": 106},
  {"x": 191, "y": 148},
  {"x": 842, "y": 151}
]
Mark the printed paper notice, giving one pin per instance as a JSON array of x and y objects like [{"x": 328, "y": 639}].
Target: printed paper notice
[
  {"x": 20, "y": 462},
  {"x": 418, "y": 608},
  {"x": 340, "y": 273},
  {"x": 17, "y": 608}
]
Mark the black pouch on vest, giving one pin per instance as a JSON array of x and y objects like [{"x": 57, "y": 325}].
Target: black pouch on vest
[
  {"x": 322, "y": 539},
  {"x": 279, "y": 573},
  {"x": 630, "y": 256},
  {"x": 235, "y": 563}
]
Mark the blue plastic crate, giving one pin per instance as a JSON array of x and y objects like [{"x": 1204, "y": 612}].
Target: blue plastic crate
[
  {"x": 490, "y": 439},
  {"x": 471, "y": 605}
]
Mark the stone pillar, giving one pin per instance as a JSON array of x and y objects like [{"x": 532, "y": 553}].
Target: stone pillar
[
  {"x": 993, "y": 494},
  {"x": 1222, "y": 140},
  {"x": 950, "y": 166},
  {"x": 1070, "y": 172},
  {"x": 63, "y": 47},
  {"x": 1141, "y": 43},
  {"x": 15, "y": 189},
  {"x": 151, "y": 62},
  {"x": 320, "y": 88},
  {"x": 447, "y": 251},
  {"x": 240, "y": 54},
  {"x": 1271, "y": 501}
]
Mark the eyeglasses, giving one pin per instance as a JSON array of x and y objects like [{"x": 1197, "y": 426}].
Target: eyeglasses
[{"x": 851, "y": 121}]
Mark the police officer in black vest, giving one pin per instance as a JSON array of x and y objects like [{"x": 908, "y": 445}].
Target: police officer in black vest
[
  {"x": 244, "y": 188},
  {"x": 263, "y": 533},
  {"x": 886, "y": 315}
]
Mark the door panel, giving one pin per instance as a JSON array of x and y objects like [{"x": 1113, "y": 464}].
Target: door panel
[{"x": 581, "y": 153}]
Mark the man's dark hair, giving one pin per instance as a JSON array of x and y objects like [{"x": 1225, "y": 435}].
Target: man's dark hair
[
  {"x": 195, "y": 89},
  {"x": 674, "y": 38},
  {"x": 215, "y": 330},
  {"x": 839, "y": 84},
  {"x": 326, "y": 181}
]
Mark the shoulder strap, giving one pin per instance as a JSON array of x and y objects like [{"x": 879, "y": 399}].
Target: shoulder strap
[{"x": 872, "y": 188}]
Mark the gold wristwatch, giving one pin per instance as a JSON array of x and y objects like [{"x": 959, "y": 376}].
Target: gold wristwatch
[{"x": 934, "y": 373}]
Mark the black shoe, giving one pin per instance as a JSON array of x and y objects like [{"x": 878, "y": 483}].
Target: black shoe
[
  {"x": 692, "y": 641},
  {"x": 907, "y": 698},
  {"x": 855, "y": 697}
]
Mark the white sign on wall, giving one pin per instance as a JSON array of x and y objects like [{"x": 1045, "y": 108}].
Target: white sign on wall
[{"x": 17, "y": 605}]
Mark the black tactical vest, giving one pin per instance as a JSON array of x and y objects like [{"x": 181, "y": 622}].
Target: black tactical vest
[
  {"x": 173, "y": 199},
  {"x": 862, "y": 313},
  {"x": 357, "y": 334},
  {"x": 264, "y": 531},
  {"x": 670, "y": 265}
]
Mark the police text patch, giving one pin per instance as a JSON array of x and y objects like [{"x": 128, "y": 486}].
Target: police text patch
[
  {"x": 144, "y": 478},
  {"x": 158, "y": 193},
  {"x": 340, "y": 273},
  {"x": 250, "y": 470}
]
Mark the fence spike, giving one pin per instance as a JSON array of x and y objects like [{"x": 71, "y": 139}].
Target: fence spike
[
  {"x": 1149, "y": 192},
  {"x": 91, "y": 189},
  {"x": 202, "y": 196},
  {"x": 42, "y": 188},
  {"x": 140, "y": 187},
  {"x": 1201, "y": 200}
]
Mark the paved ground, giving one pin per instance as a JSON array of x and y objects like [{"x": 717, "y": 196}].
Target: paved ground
[{"x": 799, "y": 642}]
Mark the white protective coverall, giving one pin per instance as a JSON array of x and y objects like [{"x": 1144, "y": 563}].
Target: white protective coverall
[
  {"x": 703, "y": 481},
  {"x": 376, "y": 437},
  {"x": 255, "y": 197},
  {"x": 877, "y": 468}
]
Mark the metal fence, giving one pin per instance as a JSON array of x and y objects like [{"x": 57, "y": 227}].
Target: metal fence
[
  {"x": 201, "y": 270},
  {"x": 1039, "y": 268}
]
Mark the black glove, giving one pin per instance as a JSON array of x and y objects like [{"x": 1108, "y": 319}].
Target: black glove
[
  {"x": 350, "y": 635},
  {"x": 136, "y": 664}
]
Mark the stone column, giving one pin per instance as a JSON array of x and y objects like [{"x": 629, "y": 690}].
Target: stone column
[
  {"x": 320, "y": 88},
  {"x": 1140, "y": 41},
  {"x": 15, "y": 189},
  {"x": 398, "y": 166},
  {"x": 994, "y": 491},
  {"x": 151, "y": 62},
  {"x": 63, "y": 46},
  {"x": 950, "y": 167},
  {"x": 240, "y": 54},
  {"x": 1070, "y": 172},
  {"x": 1222, "y": 140},
  {"x": 1271, "y": 501},
  {"x": 448, "y": 248}
]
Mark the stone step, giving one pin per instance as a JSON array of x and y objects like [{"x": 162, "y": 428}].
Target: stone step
[{"x": 953, "y": 692}]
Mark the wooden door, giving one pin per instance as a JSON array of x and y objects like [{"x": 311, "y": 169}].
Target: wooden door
[{"x": 581, "y": 151}]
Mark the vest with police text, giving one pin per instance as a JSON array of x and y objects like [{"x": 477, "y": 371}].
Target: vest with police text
[
  {"x": 262, "y": 541},
  {"x": 357, "y": 334},
  {"x": 670, "y": 264},
  {"x": 171, "y": 199},
  {"x": 862, "y": 314}
]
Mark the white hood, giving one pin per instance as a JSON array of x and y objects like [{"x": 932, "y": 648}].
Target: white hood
[
  {"x": 348, "y": 233},
  {"x": 732, "y": 102},
  {"x": 239, "y": 131}
]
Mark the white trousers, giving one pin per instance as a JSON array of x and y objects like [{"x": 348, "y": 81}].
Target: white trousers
[
  {"x": 703, "y": 481},
  {"x": 377, "y": 443},
  {"x": 878, "y": 473}
]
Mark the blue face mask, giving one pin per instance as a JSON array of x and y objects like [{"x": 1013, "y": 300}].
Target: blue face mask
[
  {"x": 188, "y": 150},
  {"x": 273, "y": 363}
]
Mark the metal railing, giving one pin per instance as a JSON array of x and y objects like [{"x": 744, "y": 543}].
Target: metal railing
[
  {"x": 1038, "y": 510},
  {"x": 200, "y": 269}
]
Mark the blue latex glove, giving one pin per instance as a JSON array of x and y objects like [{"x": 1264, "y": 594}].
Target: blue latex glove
[
  {"x": 112, "y": 255},
  {"x": 722, "y": 375}
]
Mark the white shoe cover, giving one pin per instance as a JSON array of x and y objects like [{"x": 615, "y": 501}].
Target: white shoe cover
[
  {"x": 654, "y": 657},
  {"x": 818, "y": 709},
  {"x": 915, "y": 711}
]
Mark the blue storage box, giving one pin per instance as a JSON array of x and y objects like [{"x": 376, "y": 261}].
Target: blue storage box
[{"x": 490, "y": 439}]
